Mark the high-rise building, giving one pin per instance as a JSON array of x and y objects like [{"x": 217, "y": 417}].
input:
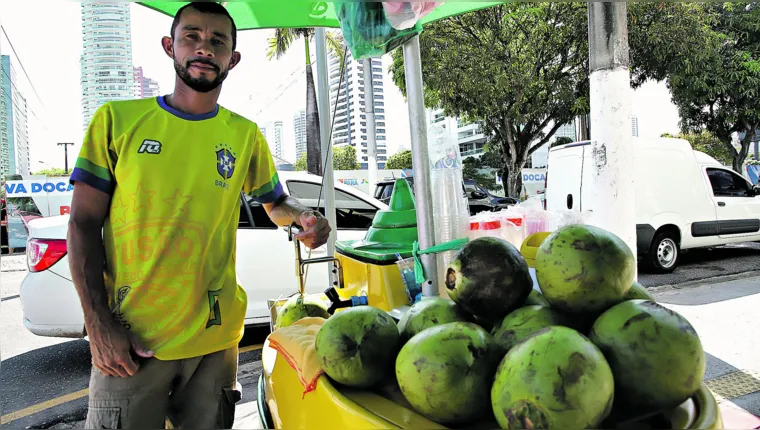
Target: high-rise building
[
  {"x": 299, "y": 127},
  {"x": 634, "y": 126},
  {"x": 566, "y": 130},
  {"x": 106, "y": 63},
  {"x": 350, "y": 120},
  {"x": 468, "y": 135},
  {"x": 272, "y": 132},
  {"x": 14, "y": 134},
  {"x": 144, "y": 87}
]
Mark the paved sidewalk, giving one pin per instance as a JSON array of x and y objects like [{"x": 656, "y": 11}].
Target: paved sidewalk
[
  {"x": 247, "y": 416},
  {"x": 725, "y": 315}
]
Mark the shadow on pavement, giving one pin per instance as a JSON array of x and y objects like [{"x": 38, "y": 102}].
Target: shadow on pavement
[
  {"x": 711, "y": 293},
  {"x": 736, "y": 386}
]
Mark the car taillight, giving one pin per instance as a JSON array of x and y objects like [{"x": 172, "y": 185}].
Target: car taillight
[{"x": 43, "y": 253}]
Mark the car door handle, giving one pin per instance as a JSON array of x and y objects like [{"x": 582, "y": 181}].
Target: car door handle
[{"x": 721, "y": 204}]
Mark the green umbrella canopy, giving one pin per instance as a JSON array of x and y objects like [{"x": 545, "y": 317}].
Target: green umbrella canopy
[{"x": 300, "y": 13}]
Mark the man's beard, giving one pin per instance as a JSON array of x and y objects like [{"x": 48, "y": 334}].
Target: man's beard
[{"x": 201, "y": 85}]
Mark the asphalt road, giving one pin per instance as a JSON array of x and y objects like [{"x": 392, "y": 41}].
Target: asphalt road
[
  {"x": 707, "y": 263},
  {"x": 37, "y": 371},
  {"x": 43, "y": 379}
]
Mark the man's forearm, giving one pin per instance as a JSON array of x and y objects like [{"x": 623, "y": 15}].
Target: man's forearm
[
  {"x": 287, "y": 211},
  {"x": 86, "y": 257}
]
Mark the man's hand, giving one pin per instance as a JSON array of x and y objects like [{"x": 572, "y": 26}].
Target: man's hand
[
  {"x": 316, "y": 229},
  {"x": 111, "y": 349}
]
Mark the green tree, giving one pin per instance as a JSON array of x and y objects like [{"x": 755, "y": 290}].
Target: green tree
[
  {"x": 300, "y": 164},
  {"x": 563, "y": 140},
  {"x": 400, "y": 160},
  {"x": 709, "y": 144},
  {"x": 344, "y": 158},
  {"x": 279, "y": 43},
  {"x": 54, "y": 171},
  {"x": 709, "y": 56},
  {"x": 516, "y": 68}
]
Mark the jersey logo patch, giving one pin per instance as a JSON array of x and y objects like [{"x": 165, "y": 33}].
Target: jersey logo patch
[
  {"x": 150, "y": 147},
  {"x": 225, "y": 163}
]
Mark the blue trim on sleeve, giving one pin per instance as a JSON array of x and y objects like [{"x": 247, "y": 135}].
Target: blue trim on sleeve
[
  {"x": 188, "y": 116},
  {"x": 81, "y": 175},
  {"x": 271, "y": 196}
]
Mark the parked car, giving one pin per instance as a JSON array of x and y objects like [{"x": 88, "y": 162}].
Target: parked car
[
  {"x": 265, "y": 258},
  {"x": 684, "y": 198},
  {"x": 478, "y": 197}
]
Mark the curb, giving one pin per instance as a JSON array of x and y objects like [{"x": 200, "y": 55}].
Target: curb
[{"x": 705, "y": 282}]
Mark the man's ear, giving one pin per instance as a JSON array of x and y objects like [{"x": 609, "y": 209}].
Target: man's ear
[
  {"x": 168, "y": 46},
  {"x": 234, "y": 60}
]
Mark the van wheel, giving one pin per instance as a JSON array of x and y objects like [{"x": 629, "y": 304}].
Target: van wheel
[{"x": 664, "y": 252}]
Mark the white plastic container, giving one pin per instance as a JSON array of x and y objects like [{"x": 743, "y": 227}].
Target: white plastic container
[{"x": 491, "y": 227}]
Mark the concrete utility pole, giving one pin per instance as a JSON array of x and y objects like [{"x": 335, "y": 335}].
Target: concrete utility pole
[
  {"x": 369, "y": 110},
  {"x": 613, "y": 205},
  {"x": 66, "y": 155}
]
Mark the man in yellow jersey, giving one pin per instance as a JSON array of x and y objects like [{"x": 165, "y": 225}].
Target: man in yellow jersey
[{"x": 152, "y": 237}]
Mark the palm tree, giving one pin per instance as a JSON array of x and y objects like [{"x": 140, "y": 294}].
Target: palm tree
[{"x": 279, "y": 44}]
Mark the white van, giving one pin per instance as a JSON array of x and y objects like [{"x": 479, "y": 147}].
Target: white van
[{"x": 684, "y": 198}]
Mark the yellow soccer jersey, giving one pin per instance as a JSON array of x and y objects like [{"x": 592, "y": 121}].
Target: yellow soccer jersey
[{"x": 175, "y": 182}]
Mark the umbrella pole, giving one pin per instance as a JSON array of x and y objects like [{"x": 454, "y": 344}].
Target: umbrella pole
[
  {"x": 323, "y": 105},
  {"x": 369, "y": 110},
  {"x": 420, "y": 163}
]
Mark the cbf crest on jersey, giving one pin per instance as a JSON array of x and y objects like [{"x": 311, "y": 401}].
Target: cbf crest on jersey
[{"x": 225, "y": 161}]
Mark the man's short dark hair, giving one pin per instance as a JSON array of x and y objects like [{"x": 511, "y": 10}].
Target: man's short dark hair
[{"x": 207, "y": 7}]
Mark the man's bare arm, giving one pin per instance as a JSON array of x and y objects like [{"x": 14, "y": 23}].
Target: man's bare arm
[
  {"x": 89, "y": 207},
  {"x": 288, "y": 210},
  {"x": 285, "y": 211},
  {"x": 110, "y": 344}
]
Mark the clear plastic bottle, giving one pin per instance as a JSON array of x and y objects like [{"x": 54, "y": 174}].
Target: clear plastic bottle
[{"x": 451, "y": 211}]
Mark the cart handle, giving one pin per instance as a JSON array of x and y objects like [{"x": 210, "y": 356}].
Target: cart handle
[{"x": 419, "y": 273}]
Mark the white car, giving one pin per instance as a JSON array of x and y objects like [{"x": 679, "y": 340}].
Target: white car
[{"x": 51, "y": 305}]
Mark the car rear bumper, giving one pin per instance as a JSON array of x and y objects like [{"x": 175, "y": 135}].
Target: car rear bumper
[
  {"x": 54, "y": 330},
  {"x": 51, "y": 305}
]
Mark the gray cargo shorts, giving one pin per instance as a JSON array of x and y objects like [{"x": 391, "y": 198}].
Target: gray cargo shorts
[{"x": 198, "y": 392}]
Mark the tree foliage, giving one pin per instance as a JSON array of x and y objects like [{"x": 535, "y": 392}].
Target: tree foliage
[
  {"x": 709, "y": 55},
  {"x": 563, "y": 140},
  {"x": 400, "y": 160},
  {"x": 709, "y": 144},
  {"x": 300, "y": 164},
  {"x": 344, "y": 158},
  {"x": 516, "y": 68},
  {"x": 54, "y": 171}
]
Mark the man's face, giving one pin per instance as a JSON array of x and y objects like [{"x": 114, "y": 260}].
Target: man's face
[{"x": 202, "y": 50}]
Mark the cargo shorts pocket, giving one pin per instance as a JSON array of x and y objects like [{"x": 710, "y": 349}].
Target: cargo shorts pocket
[
  {"x": 103, "y": 418},
  {"x": 230, "y": 395}
]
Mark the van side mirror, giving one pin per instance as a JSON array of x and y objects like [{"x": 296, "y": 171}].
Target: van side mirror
[{"x": 478, "y": 195}]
